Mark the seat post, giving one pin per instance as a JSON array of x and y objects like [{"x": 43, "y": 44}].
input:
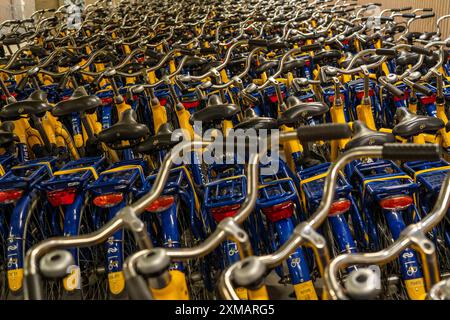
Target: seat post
[{"x": 40, "y": 128}]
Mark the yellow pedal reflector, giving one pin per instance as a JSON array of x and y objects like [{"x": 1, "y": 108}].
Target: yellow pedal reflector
[
  {"x": 415, "y": 289},
  {"x": 15, "y": 279},
  {"x": 116, "y": 282},
  {"x": 305, "y": 291}
]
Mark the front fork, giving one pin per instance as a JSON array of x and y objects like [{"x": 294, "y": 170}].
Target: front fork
[
  {"x": 177, "y": 287},
  {"x": 170, "y": 232},
  {"x": 297, "y": 264},
  {"x": 16, "y": 244},
  {"x": 409, "y": 264},
  {"x": 115, "y": 255},
  {"x": 72, "y": 219}
]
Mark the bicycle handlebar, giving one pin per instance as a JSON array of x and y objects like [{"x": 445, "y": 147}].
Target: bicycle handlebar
[
  {"x": 414, "y": 235},
  {"x": 304, "y": 234}
]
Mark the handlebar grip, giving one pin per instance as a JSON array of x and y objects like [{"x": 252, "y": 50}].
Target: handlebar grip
[
  {"x": 205, "y": 51},
  {"x": 312, "y": 47},
  {"x": 301, "y": 18},
  {"x": 187, "y": 52},
  {"x": 405, "y": 9},
  {"x": 422, "y": 89},
  {"x": 394, "y": 90},
  {"x": 428, "y": 15},
  {"x": 353, "y": 30},
  {"x": 260, "y": 19},
  {"x": 348, "y": 23},
  {"x": 277, "y": 45},
  {"x": 427, "y": 9},
  {"x": 385, "y": 19},
  {"x": 386, "y": 52},
  {"x": 409, "y": 151},
  {"x": 328, "y": 131},
  {"x": 421, "y": 50},
  {"x": 258, "y": 43},
  {"x": 447, "y": 44},
  {"x": 409, "y": 15}
]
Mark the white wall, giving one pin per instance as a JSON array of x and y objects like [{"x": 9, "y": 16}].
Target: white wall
[
  {"x": 16, "y": 9},
  {"x": 440, "y": 7}
]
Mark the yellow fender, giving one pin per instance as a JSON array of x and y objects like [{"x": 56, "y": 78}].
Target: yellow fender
[
  {"x": 364, "y": 112},
  {"x": 159, "y": 116}
]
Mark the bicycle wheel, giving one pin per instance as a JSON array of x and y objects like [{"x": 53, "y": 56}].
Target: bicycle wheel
[
  {"x": 91, "y": 260},
  {"x": 39, "y": 225},
  {"x": 196, "y": 270}
]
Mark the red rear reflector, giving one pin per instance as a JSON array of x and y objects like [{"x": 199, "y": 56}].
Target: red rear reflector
[
  {"x": 279, "y": 212},
  {"x": 4, "y": 97},
  {"x": 106, "y": 101},
  {"x": 310, "y": 100},
  {"x": 10, "y": 196},
  {"x": 331, "y": 98},
  {"x": 396, "y": 203},
  {"x": 191, "y": 104},
  {"x": 108, "y": 200},
  {"x": 273, "y": 98},
  {"x": 163, "y": 102},
  {"x": 339, "y": 207},
  {"x": 62, "y": 197},
  {"x": 428, "y": 100},
  {"x": 402, "y": 98},
  {"x": 161, "y": 204},
  {"x": 360, "y": 94},
  {"x": 225, "y": 212}
]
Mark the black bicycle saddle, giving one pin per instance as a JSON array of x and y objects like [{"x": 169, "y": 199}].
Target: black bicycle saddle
[
  {"x": 410, "y": 124},
  {"x": 266, "y": 65},
  {"x": 363, "y": 136},
  {"x": 327, "y": 55},
  {"x": 252, "y": 121},
  {"x": 36, "y": 104},
  {"x": 80, "y": 101},
  {"x": 163, "y": 140},
  {"x": 216, "y": 111},
  {"x": 127, "y": 129},
  {"x": 298, "y": 111}
]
